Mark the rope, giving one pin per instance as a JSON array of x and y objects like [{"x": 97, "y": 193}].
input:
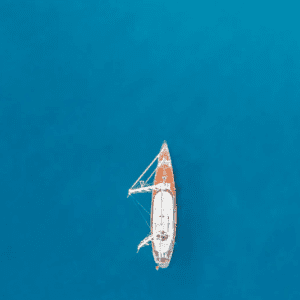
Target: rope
[
  {"x": 142, "y": 207},
  {"x": 150, "y": 176},
  {"x": 141, "y": 212},
  {"x": 145, "y": 171}
]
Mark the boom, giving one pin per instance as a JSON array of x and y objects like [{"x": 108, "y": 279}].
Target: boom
[{"x": 160, "y": 186}]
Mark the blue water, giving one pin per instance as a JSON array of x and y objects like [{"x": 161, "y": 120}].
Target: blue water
[{"x": 88, "y": 92}]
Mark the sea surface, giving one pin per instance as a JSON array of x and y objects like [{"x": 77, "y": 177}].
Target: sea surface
[{"x": 89, "y": 90}]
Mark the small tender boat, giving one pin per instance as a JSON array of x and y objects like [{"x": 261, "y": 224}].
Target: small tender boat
[{"x": 163, "y": 219}]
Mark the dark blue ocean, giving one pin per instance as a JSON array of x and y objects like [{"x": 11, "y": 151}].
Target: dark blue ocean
[{"x": 89, "y": 90}]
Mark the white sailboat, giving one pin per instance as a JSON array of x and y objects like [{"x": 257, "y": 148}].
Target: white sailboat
[{"x": 163, "y": 218}]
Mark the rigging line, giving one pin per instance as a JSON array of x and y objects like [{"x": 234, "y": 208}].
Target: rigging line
[
  {"x": 142, "y": 207},
  {"x": 150, "y": 175},
  {"x": 145, "y": 170},
  {"x": 140, "y": 212}
]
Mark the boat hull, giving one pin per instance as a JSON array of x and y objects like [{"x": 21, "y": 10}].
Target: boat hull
[{"x": 163, "y": 211}]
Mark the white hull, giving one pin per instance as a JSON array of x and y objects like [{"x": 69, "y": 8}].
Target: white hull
[{"x": 163, "y": 228}]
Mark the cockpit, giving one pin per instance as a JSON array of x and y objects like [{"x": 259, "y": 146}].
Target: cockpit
[{"x": 162, "y": 236}]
